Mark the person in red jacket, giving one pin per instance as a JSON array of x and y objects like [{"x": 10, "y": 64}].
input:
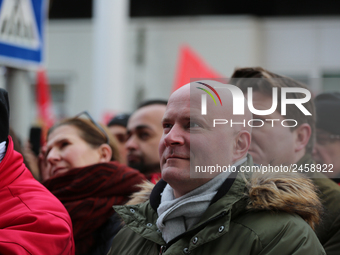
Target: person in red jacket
[{"x": 32, "y": 220}]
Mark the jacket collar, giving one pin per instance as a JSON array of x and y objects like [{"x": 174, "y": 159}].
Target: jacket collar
[
  {"x": 155, "y": 197},
  {"x": 11, "y": 165}
]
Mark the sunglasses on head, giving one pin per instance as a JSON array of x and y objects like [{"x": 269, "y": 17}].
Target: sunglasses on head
[{"x": 86, "y": 113}]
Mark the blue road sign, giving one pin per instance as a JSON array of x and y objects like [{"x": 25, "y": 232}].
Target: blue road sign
[{"x": 22, "y": 32}]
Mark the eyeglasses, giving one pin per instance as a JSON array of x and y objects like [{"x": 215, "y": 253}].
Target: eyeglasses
[
  {"x": 325, "y": 138},
  {"x": 95, "y": 123}
]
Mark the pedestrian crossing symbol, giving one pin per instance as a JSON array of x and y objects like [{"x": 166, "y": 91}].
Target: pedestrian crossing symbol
[
  {"x": 21, "y": 31},
  {"x": 18, "y": 25}
]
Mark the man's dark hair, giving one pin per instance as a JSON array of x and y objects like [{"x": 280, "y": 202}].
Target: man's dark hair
[
  {"x": 263, "y": 81},
  {"x": 152, "y": 102},
  {"x": 120, "y": 120},
  {"x": 327, "y": 112}
]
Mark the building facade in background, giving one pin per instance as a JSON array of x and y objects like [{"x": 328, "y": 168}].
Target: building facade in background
[{"x": 106, "y": 65}]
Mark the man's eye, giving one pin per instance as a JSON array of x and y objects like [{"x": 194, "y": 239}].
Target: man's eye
[
  {"x": 64, "y": 144},
  {"x": 144, "y": 136},
  {"x": 166, "y": 125},
  {"x": 122, "y": 138},
  {"x": 193, "y": 124}
]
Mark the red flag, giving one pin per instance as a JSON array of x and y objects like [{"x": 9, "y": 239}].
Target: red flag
[
  {"x": 190, "y": 65},
  {"x": 44, "y": 103},
  {"x": 107, "y": 116}
]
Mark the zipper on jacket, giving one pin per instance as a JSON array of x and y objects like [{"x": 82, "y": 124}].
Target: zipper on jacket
[
  {"x": 162, "y": 250},
  {"x": 200, "y": 227}
]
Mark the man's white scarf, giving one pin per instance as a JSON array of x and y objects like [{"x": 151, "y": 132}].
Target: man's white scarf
[{"x": 177, "y": 215}]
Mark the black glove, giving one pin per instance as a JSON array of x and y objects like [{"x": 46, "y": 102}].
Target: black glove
[{"x": 4, "y": 115}]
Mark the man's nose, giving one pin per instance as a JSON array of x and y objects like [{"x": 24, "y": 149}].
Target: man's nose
[
  {"x": 131, "y": 143},
  {"x": 175, "y": 136}
]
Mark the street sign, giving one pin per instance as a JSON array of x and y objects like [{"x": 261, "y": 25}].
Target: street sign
[{"x": 22, "y": 32}]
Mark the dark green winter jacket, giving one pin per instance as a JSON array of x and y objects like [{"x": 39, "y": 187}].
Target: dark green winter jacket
[
  {"x": 229, "y": 226},
  {"x": 328, "y": 231}
]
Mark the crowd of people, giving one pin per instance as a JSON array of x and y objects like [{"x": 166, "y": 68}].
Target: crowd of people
[{"x": 130, "y": 187}]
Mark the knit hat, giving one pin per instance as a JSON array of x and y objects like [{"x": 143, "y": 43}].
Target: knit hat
[
  {"x": 328, "y": 112},
  {"x": 4, "y": 115},
  {"x": 120, "y": 119}
]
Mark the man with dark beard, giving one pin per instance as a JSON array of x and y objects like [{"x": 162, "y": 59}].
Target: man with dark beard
[{"x": 144, "y": 133}]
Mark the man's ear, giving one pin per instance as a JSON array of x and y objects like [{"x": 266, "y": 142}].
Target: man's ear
[
  {"x": 302, "y": 136},
  {"x": 242, "y": 144},
  {"x": 105, "y": 153}
]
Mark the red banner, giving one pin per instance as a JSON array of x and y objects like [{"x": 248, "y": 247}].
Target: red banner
[{"x": 44, "y": 103}]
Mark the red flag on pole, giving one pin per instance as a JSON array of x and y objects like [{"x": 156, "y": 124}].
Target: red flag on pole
[
  {"x": 44, "y": 103},
  {"x": 190, "y": 65}
]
